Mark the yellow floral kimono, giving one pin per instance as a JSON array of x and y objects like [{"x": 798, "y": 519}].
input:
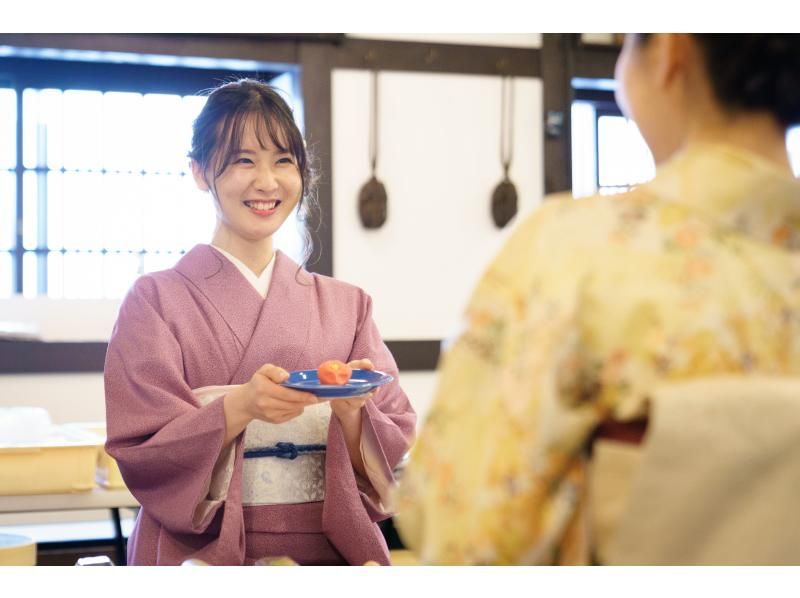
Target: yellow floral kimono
[{"x": 590, "y": 304}]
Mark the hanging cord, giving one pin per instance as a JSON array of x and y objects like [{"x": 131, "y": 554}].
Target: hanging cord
[
  {"x": 373, "y": 123},
  {"x": 506, "y": 123}
]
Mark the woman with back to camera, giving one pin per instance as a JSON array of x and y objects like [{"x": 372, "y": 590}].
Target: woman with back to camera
[
  {"x": 197, "y": 356},
  {"x": 593, "y": 302}
]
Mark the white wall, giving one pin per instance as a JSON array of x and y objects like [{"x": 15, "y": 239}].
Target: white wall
[
  {"x": 439, "y": 159},
  {"x": 67, "y": 397},
  {"x": 63, "y": 319},
  {"x": 420, "y": 387}
]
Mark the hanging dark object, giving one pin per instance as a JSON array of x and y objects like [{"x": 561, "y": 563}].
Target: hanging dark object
[
  {"x": 372, "y": 204},
  {"x": 504, "y": 198},
  {"x": 372, "y": 199},
  {"x": 504, "y": 203}
]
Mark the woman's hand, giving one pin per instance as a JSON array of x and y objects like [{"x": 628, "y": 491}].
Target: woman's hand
[
  {"x": 349, "y": 409},
  {"x": 263, "y": 398}
]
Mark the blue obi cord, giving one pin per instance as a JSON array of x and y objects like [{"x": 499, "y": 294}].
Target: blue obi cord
[{"x": 284, "y": 450}]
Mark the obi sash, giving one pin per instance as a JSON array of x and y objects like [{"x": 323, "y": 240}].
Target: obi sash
[{"x": 287, "y": 476}]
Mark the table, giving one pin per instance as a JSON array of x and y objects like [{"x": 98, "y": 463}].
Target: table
[{"x": 97, "y": 498}]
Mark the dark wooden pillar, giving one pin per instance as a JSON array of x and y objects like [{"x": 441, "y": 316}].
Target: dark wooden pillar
[
  {"x": 316, "y": 64},
  {"x": 557, "y": 89}
]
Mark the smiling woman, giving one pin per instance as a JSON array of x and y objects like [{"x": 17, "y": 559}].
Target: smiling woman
[{"x": 198, "y": 357}]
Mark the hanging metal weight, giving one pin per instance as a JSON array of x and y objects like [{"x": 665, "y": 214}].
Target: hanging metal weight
[
  {"x": 372, "y": 202},
  {"x": 372, "y": 199},
  {"x": 504, "y": 198},
  {"x": 504, "y": 203}
]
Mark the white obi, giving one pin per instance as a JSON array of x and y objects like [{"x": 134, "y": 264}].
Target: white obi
[{"x": 276, "y": 480}]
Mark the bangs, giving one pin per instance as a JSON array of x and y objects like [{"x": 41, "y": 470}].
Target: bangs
[{"x": 270, "y": 128}]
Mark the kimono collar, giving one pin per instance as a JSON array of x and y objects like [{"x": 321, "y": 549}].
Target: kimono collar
[
  {"x": 259, "y": 282},
  {"x": 221, "y": 282},
  {"x": 734, "y": 188}
]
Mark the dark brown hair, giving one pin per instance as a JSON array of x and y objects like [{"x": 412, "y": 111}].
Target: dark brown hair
[
  {"x": 218, "y": 130},
  {"x": 753, "y": 71}
]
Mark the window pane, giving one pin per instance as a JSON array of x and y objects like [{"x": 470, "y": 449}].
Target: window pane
[
  {"x": 160, "y": 261},
  {"x": 120, "y": 270},
  {"x": 163, "y": 214},
  {"x": 584, "y": 177},
  {"x": 793, "y": 145},
  {"x": 6, "y": 274},
  {"x": 161, "y": 121},
  {"x": 8, "y": 209},
  {"x": 8, "y": 128},
  {"x": 85, "y": 192},
  {"x": 83, "y": 226},
  {"x": 121, "y": 216},
  {"x": 82, "y": 130},
  {"x": 55, "y": 210},
  {"x": 123, "y": 134},
  {"x": 83, "y": 275},
  {"x": 55, "y": 275},
  {"x": 623, "y": 157},
  {"x": 200, "y": 217},
  {"x": 30, "y": 273},
  {"x": 43, "y": 128},
  {"x": 30, "y": 210}
]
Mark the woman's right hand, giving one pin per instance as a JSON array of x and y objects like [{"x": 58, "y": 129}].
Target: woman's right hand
[{"x": 263, "y": 398}]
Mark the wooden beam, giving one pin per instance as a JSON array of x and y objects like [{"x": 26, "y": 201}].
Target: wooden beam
[
  {"x": 29, "y": 357},
  {"x": 437, "y": 58},
  {"x": 36, "y": 357},
  {"x": 595, "y": 61}
]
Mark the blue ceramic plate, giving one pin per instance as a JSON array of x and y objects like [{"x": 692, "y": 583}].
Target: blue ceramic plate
[{"x": 361, "y": 382}]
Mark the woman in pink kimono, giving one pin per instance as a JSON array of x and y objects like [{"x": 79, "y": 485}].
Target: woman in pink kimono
[{"x": 229, "y": 465}]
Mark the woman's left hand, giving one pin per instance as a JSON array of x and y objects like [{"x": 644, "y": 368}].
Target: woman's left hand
[{"x": 348, "y": 409}]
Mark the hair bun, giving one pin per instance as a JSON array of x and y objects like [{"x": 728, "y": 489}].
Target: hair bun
[{"x": 756, "y": 72}]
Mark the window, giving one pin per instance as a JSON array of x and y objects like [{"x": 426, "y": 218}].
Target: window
[
  {"x": 8, "y": 207},
  {"x": 609, "y": 154},
  {"x": 95, "y": 185},
  {"x": 623, "y": 158}
]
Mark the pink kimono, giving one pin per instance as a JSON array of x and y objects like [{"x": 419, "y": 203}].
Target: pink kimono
[{"x": 202, "y": 324}]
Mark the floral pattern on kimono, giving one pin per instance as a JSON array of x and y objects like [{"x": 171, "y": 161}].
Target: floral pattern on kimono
[{"x": 589, "y": 305}]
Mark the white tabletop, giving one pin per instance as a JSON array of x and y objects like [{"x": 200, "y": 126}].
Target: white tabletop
[{"x": 98, "y": 498}]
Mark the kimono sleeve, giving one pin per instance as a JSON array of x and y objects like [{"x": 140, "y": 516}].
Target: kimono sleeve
[
  {"x": 166, "y": 445},
  {"x": 388, "y": 420}
]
